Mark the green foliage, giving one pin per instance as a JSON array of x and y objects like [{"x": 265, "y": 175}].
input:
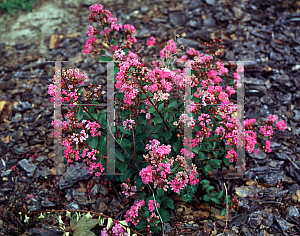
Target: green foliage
[
  {"x": 12, "y": 6},
  {"x": 83, "y": 225}
]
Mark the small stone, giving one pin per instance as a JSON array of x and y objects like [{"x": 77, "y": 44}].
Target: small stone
[
  {"x": 210, "y": 2},
  {"x": 28, "y": 167},
  {"x": 209, "y": 22}
]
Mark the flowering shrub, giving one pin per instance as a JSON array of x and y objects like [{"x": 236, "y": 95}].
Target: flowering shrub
[{"x": 156, "y": 94}]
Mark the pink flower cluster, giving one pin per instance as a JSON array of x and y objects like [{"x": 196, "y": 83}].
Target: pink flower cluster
[
  {"x": 117, "y": 230},
  {"x": 168, "y": 50},
  {"x": 159, "y": 170},
  {"x": 151, "y": 42},
  {"x": 132, "y": 214},
  {"x": 92, "y": 127},
  {"x": 131, "y": 122},
  {"x": 69, "y": 93},
  {"x": 151, "y": 205},
  {"x": 128, "y": 191},
  {"x": 231, "y": 155}
]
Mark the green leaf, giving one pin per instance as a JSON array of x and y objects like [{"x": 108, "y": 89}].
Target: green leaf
[
  {"x": 125, "y": 131},
  {"x": 121, "y": 166},
  {"x": 94, "y": 142},
  {"x": 147, "y": 214},
  {"x": 215, "y": 163},
  {"x": 220, "y": 195},
  {"x": 206, "y": 198},
  {"x": 119, "y": 155},
  {"x": 102, "y": 146},
  {"x": 160, "y": 106},
  {"x": 216, "y": 153},
  {"x": 167, "y": 202},
  {"x": 139, "y": 146},
  {"x": 219, "y": 117},
  {"x": 167, "y": 135},
  {"x": 176, "y": 146},
  {"x": 141, "y": 225},
  {"x": 151, "y": 110},
  {"x": 120, "y": 95},
  {"x": 207, "y": 168},
  {"x": 223, "y": 211},
  {"x": 202, "y": 156},
  {"x": 80, "y": 114},
  {"x": 210, "y": 188},
  {"x": 172, "y": 104},
  {"x": 204, "y": 182},
  {"x": 150, "y": 129},
  {"x": 166, "y": 115},
  {"x": 215, "y": 200},
  {"x": 138, "y": 183},
  {"x": 127, "y": 174},
  {"x": 126, "y": 50},
  {"x": 158, "y": 120},
  {"x": 83, "y": 226},
  {"x": 158, "y": 128},
  {"x": 206, "y": 186},
  {"x": 105, "y": 58},
  {"x": 143, "y": 195},
  {"x": 160, "y": 192},
  {"x": 196, "y": 149},
  {"x": 125, "y": 143},
  {"x": 226, "y": 161},
  {"x": 102, "y": 120},
  {"x": 164, "y": 215}
]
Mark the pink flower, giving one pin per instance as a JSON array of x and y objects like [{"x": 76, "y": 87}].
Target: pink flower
[
  {"x": 272, "y": 118},
  {"x": 152, "y": 42},
  {"x": 266, "y": 130},
  {"x": 281, "y": 125},
  {"x": 96, "y": 8},
  {"x": 231, "y": 155},
  {"x": 268, "y": 145},
  {"x": 133, "y": 212},
  {"x": 212, "y": 74},
  {"x": 104, "y": 232},
  {"x": 151, "y": 205},
  {"x": 118, "y": 230},
  {"x": 147, "y": 174},
  {"x": 240, "y": 69}
]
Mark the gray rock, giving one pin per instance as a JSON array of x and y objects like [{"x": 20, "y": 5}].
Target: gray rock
[
  {"x": 28, "y": 167},
  {"x": 47, "y": 203},
  {"x": 46, "y": 231},
  {"x": 210, "y": 2},
  {"x": 209, "y": 22},
  {"x": 273, "y": 177},
  {"x": 192, "y": 23},
  {"x": 2, "y": 164},
  {"x": 187, "y": 42},
  {"x": 80, "y": 197},
  {"x": 144, "y": 8},
  {"x": 72, "y": 175},
  {"x": 22, "y": 106},
  {"x": 73, "y": 206},
  {"x": 115, "y": 205},
  {"x": 167, "y": 228},
  {"x": 177, "y": 19},
  {"x": 281, "y": 155},
  {"x": 260, "y": 155}
]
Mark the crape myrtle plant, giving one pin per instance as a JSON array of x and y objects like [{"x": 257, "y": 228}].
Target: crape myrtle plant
[{"x": 152, "y": 155}]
